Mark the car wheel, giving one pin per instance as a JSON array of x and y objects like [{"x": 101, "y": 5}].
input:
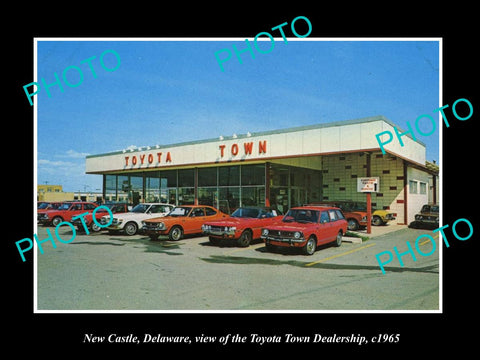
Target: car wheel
[
  {"x": 175, "y": 233},
  {"x": 130, "y": 228},
  {"x": 56, "y": 220},
  {"x": 310, "y": 246},
  {"x": 94, "y": 227},
  {"x": 245, "y": 239},
  {"x": 377, "y": 221},
  {"x": 353, "y": 224},
  {"x": 338, "y": 240}
]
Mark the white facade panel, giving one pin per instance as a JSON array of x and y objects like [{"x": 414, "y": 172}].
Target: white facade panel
[
  {"x": 417, "y": 188},
  {"x": 330, "y": 140},
  {"x": 349, "y": 136}
]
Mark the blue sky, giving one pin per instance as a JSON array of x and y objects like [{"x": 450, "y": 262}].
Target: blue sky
[{"x": 166, "y": 92}]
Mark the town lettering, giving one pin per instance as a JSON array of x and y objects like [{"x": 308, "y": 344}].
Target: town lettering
[
  {"x": 150, "y": 158},
  {"x": 235, "y": 149}
]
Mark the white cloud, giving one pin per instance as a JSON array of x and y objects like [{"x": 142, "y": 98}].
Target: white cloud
[
  {"x": 61, "y": 168},
  {"x": 73, "y": 154}
]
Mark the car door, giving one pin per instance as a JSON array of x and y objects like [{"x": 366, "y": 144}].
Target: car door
[
  {"x": 75, "y": 209},
  {"x": 325, "y": 228},
  {"x": 195, "y": 221},
  {"x": 334, "y": 224}
]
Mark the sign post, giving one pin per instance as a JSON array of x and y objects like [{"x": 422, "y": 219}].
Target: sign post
[{"x": 368, "y": 185}]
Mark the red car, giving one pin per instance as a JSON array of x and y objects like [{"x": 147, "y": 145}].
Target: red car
[
  {"x": 46, "y": 206},
  {"x": 65, "y": 212},
  {"x": 88, "y": 219},
  {"x": 244, "y": 225},
  {"x": 307, "y": 227}
]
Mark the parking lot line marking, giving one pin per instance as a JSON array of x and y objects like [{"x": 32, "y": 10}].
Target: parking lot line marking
[
  {"x": 338, "y": 255},
  {"x": 427, "y": 241}
]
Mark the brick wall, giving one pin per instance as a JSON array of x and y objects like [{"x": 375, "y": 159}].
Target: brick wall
[{"x": 340, "y": 173}]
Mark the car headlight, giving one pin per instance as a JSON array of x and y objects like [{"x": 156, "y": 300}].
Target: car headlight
[
  {"x": 364, "y": 218},
  {"x": 297, "y": 235},
  {"x": 418, "y": 217},
  {"x": 161, "y": 226},
  {"x": 231, "y": 228},
  {"x": 206, "y": 227},
  {"x": 116, "y": 221},
  {"x": 265, "y": 232}
]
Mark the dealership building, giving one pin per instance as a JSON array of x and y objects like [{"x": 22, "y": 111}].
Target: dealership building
[{"x": 281, "y": 168}]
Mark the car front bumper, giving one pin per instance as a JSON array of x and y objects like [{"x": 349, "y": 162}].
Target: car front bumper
[
  {"x": 283, "y": 241},
  {"x": 220, "y": 233}
]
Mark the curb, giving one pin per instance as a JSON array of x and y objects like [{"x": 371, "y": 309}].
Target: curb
[{"x": 351, "y": 239}]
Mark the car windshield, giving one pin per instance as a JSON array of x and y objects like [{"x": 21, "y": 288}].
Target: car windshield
[
  {"x": 247, "y": 213},
  {"x": 301, "y": 216},
  {"x": 429, "y": 209},
  {"x": 180, "y": 211},
  {"x": 43, "y": 205},
  {"x": 141, "y": 208}
]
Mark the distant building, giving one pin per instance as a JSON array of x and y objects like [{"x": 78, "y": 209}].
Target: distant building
[{"x": 49, "y": 192}]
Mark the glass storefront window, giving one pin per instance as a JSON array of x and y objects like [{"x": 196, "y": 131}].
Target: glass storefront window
[
  {"x": 223, "y": 187},
  {"x": 111, "y": 187},
  {"x": 314, "y": 186},
  {"x": 228, "y": 199},
  {"x": 253, "y": 196},
  {"x": 136, "y": 183},
  {"x": 168, "y": 178},
  {"x": 123, "y": 188},
  {"x": 168, "y": 186},
  {"x": 279, "y": 199},
  {"x": 208, "y": 196},
  {"x": 207, "y": 176},
  {"x": 186, "y": 178},
  {"x": 253, "y": 174},
  {"x": 297, "y": 177},
  {"x": 186, "y": 196},
  {"x": 152, "y": 189},
  {"x": 279, "y": 175},
  {"x": 169, "y": 196},
  {"x": 229, "y": 176}
]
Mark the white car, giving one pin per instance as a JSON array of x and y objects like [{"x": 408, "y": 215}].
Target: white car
[{"x": 131, "y": 221}]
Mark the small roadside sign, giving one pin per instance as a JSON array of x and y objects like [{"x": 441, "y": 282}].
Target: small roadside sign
[{"x": 368, "y": 184}]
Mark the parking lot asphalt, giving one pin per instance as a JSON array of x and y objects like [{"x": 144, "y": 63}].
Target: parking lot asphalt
[{"x": 128, "y": 273}]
